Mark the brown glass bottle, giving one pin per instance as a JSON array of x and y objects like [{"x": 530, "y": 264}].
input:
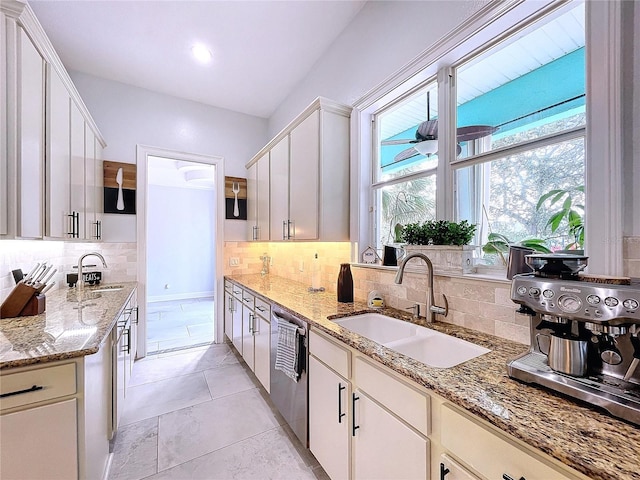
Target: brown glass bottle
[{"x": 345, "y": 284}]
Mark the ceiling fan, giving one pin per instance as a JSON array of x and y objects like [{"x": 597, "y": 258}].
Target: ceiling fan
[{"x": 426, "y": 141}]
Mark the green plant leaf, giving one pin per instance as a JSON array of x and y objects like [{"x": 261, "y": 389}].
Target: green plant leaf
[
  {"x": 544, "y": 197},
  {"x": 555, "y": 220}
]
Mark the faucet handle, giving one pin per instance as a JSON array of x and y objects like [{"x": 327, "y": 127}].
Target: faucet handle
[{"x": 441, "y": 310}]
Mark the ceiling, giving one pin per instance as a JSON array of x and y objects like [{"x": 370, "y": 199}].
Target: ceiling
[{"x": 261, "y": 49}]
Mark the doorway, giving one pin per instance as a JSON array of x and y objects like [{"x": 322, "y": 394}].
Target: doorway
[{"x": 179, "y": 239}]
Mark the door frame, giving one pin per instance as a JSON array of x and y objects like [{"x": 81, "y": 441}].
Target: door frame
[{"x": 142, "y": 159}]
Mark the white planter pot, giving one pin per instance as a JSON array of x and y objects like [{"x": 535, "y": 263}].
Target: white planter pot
[{"x": 445, "y": 258}]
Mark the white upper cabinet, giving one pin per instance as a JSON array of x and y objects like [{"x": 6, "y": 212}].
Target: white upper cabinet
[
  {"x": 77, "y": 173},
  {"x": 58, "y": 155},
  {"x": 279, "y": 185},
  {"x": 304, "y": 167},
  {"x": 31, "y": 81},
  {"x": 258, "y": 199},
  {"x": 309, "y": 176},
  {"x": 46, "y": 188}
]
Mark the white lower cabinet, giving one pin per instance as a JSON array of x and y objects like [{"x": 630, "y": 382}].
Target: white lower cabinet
[
  {"x": 491, "y": 454},
  {"x": 329, "y": 435},
  {"x": 248, "y": 325},
  {"x": 230, "y": 306},
  {"x": 385, "y": 447},
  {"x": 396, "y": 429},
  {"x": 236, "y": 319},
  {"x": 248, "y": 319},
  {"x": 49, "y": 432},
  {"x": 357, "y": 435},
  {"x": 262, "y": 343}
]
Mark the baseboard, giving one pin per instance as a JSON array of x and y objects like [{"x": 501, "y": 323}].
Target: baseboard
[{"x": 179, "y": 296}]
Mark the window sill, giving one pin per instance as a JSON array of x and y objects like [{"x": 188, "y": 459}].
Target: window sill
[{"x": 491, "y": 275}]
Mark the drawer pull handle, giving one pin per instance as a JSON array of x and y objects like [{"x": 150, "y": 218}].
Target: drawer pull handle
[
  {"x": 443, "y": 471},
  {"x": 354, "y": 427},
  {"x": 340, "y": 414},
  {"x": 261, "y": 309},
  {"x": 35, "y": 388},
  {"x": 509, "y": 477}
]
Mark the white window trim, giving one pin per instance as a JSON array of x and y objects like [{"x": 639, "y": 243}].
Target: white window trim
[{"x": 603, "y": 168}]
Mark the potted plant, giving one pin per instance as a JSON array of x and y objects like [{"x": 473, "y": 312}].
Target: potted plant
[
  {"x": 444, "y": 242},
  {"x": 499, "y": 244}
]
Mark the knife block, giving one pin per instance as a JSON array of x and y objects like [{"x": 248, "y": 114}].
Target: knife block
[{"x": 23, "y": 300}]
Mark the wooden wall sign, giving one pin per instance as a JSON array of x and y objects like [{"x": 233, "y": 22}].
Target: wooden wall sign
[
  {"x": 235, "y": 198},
  {"x": 119, "y": 187}
]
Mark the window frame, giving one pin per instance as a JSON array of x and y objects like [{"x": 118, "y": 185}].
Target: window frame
[{"x": 603, "y": 134}]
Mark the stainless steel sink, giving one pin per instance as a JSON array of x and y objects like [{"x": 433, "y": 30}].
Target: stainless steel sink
[{"x": 420, "y": 343}]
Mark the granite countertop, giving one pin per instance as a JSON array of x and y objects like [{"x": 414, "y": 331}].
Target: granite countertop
[
  {"x": 584, "y": 438},
  {"x": 74, "y": 324}
]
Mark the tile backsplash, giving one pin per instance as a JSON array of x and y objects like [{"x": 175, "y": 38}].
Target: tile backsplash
[
  {"x": 294, "y": 261},
  {"x": 631, "y": 256},
  {"x": 121, "y": 260}
]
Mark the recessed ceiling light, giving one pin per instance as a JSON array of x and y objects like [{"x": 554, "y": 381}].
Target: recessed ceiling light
[{"x": 201, "y": 53}]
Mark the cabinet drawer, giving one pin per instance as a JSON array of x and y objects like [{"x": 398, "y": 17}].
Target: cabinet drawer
[
  {"x": 248, "y": 299},
  {"x": 461, "y": 435},
  {"x": 405, "y": 401},
  {"x": 331, "y": 354},
  {"x": 237, "y": 291},
  {"x": 228, "y": 286},
  {"x": 55, "y": 381},
  {"x": 263, "y": 309}
]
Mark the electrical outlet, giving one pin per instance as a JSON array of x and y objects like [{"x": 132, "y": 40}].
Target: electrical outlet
[{"x": 234, "y": 261}]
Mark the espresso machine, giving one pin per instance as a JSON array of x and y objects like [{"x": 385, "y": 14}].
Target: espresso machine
[{"x": 585, "y": 334}]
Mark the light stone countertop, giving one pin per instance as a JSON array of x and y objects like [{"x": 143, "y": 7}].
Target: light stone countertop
[
  {"x": 584, "y": 438},
  {"x": 74, "y": 324}
]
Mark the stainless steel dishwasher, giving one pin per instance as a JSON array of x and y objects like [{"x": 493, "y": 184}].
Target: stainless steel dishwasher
[{"x": 290, "y": 397}]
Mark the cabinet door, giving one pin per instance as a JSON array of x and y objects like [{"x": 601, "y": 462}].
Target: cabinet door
[
  {"x": 237, "y": 323},
  {"x": 262, "y": 198},
  {"x": 90, "y": 209},
  {"x": 31, "y": 140},
  {"x": 252, "y": 207},
  {"x": 230, "y": 306},
  {"x": 379, "y": 437},
  {"x": 262, "y": 350},
  {"x": 48, "y": 433},
  {"x": 329, "y": 433},
  {"x": 304, "y": 167},
  {"x": 248, "y": 320},
  {"x": 77, "y": 169},
  {"x": 279, "y": 195},
  {"x": 98, "y": 186},
  {"x": 58, "y": 157}
]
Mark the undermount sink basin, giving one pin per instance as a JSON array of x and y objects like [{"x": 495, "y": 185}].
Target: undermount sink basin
[
  {"x": 108, "y": 288},
  {"x": 423, "y": 344}
]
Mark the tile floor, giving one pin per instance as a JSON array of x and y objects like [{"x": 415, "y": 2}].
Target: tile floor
[
  {"x": 179, "y": 324},
  {"x": 201, "y": 414}
]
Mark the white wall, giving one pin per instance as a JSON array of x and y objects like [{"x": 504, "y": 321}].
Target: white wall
[
  {"x": 128, "y": 116},
  {"x": 180, "y": 242},
  {"x": 382, "y": 38}
]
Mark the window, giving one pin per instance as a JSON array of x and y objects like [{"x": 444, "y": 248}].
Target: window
[
  {"x": 404, "y": 185},
  {"x": 518, "y": 165}
]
